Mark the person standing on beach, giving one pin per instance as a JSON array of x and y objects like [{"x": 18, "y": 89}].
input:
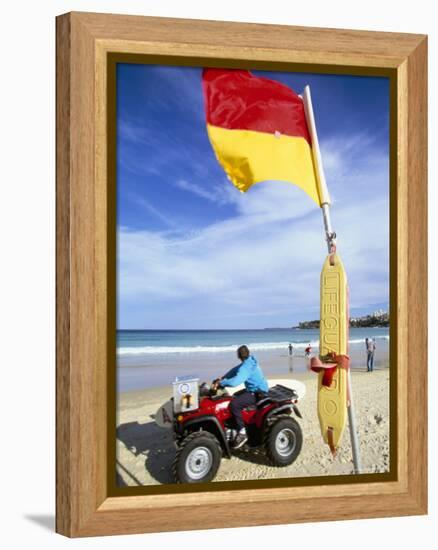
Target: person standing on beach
[
  {"x": 370, "y": 347},
  {"x": 291, "y": 350},
  {"x": 308, "y": 351},
  {"x": 250, "y": 374}
]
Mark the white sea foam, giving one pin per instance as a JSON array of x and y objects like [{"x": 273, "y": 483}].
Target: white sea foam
[
  {"x": 260, "y": 346},
  {"x": 256, "y": 346}
]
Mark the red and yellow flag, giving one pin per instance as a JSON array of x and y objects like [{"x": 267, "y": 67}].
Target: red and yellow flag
[{"x": 258, "y": 130}]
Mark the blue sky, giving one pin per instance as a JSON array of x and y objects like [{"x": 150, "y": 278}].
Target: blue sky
[{"x": 194, "y": 252}]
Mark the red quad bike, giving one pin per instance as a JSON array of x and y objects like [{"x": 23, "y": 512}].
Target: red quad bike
[{"x": 204, "y": 428}]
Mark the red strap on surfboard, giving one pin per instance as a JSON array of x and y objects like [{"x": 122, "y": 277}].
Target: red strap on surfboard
[{"x": 341, "y": 361}]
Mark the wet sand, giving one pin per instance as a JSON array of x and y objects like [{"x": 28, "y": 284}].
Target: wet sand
[{"x": 157, "y": 371}]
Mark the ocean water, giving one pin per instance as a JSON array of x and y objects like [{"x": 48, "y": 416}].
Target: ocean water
[
  {"x": 151, "y": 358},
  {"x": 142, "y": 344}
]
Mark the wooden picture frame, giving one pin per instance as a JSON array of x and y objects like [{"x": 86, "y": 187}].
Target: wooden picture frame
[{"x": 85, "y": 43}]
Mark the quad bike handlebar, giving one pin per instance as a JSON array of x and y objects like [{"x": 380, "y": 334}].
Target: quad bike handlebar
[
  {"x": 211, "y": 390},
  {"x": 215, "y": 384}
]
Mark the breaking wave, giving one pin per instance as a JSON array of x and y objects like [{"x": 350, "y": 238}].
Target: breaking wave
[{"x": 258, "y": 346}]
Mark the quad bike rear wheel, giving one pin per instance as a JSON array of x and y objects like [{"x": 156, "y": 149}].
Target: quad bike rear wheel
[
  {"x": 197, "y": 459},
  {"x": 283, "y": 440}
]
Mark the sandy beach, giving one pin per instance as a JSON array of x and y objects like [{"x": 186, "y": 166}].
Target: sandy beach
[{"x": 145, "y": 452}]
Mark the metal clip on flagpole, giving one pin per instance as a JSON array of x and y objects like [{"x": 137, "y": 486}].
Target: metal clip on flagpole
[{"x": 331, "y": 245}]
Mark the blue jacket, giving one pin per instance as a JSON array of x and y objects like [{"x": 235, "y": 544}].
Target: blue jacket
[{"x": 248, "y": 373}]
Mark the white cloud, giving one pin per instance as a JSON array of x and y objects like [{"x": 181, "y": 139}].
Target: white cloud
[
  {"x": 134, "y": 133},
  {"x": 218, "y": 194},
  {"x": 153, "y": 211},
  {"x": 266, "y": 259}
]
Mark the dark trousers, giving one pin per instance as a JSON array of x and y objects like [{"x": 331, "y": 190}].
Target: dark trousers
[
  {"x": 370, "y": 361},
  {"x": 238, "y": 403}
]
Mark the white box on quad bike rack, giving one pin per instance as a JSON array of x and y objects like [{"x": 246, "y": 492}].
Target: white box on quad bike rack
[{"x": 185, "y": 394}]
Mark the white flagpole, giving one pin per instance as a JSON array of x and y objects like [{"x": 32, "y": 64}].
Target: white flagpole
[
  {"x": 331, "y": 242},
  {"x": 319, "y": 170}
]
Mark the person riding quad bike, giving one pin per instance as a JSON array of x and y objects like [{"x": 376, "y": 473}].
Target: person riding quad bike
[
  {"x": 204, "y": 420},
  {"x": 248, "y": 372}
]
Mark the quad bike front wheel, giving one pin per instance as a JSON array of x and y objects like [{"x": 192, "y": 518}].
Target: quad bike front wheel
[
  {"x": 283, "y": 440},
  {"x": 197, "y": 459}
]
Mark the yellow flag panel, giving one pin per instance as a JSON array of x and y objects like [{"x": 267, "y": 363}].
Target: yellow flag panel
[{"x": 250, "y": 157}]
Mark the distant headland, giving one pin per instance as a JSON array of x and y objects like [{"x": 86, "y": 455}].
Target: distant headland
[{"x": 377, "y": 319}]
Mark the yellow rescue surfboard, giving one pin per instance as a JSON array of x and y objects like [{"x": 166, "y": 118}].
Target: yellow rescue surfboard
[{"x": 332, "y": 401}]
